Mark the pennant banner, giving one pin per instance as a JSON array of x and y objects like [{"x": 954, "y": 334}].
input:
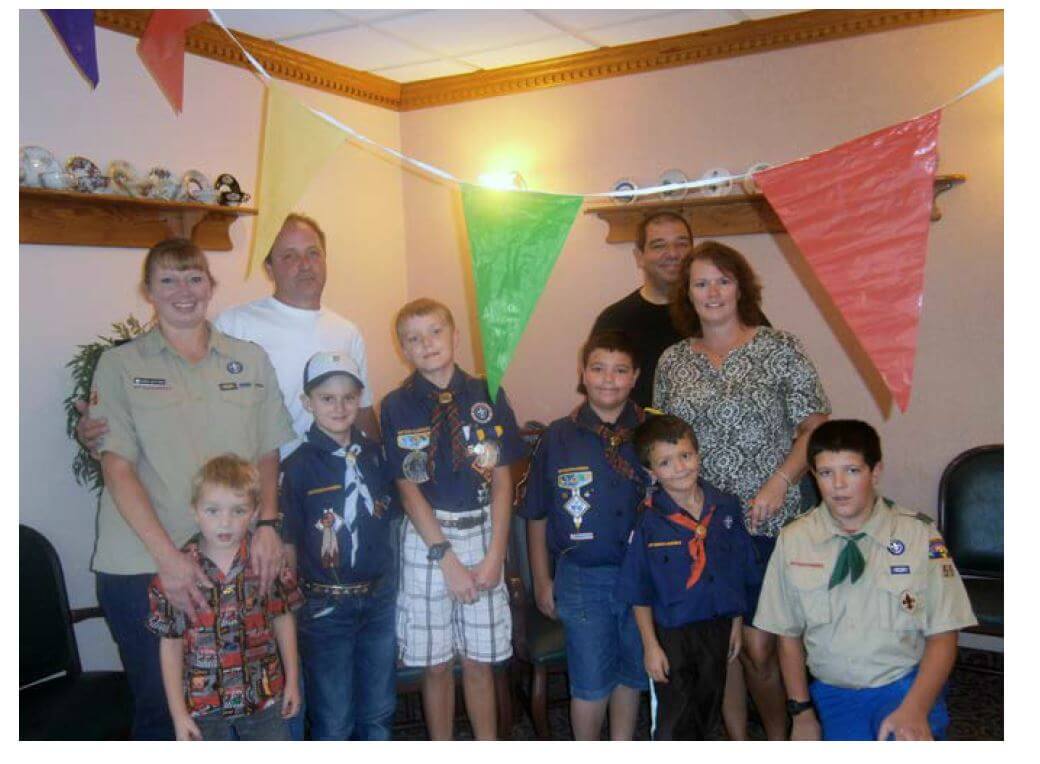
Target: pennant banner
[
  {"x": 860, "y": 214},
  {"x": 162, "y": 50},
  {"x": 297, "y": 143},
  {"x": 514, "y": 240},
  {"x": 76, "y": 29}
]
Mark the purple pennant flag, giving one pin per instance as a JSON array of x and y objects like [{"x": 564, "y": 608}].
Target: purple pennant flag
[{"x": 76, "y": 29}]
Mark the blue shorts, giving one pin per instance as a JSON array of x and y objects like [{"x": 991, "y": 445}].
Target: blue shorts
[
  {"x": 602, "y": 640},
  {"x": 763, "y": 547},
  {"x": 850, "y": 714}
]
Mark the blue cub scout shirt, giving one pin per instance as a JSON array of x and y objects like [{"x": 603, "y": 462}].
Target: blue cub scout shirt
[
  {"x": 657, "y": 563},
  {"x": 591, "y": 508},
  {"x": 313, "y": 498},
  {"x": 406, "y": 421}
]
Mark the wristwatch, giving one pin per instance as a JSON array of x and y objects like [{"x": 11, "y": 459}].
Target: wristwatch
[
  {"x": 274, "y": 522},
  {"x": 437, "y": 551},
  {"x": 795, "y": 707}
]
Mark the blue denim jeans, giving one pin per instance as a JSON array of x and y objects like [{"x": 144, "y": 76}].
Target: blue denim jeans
[
  {"x": 349, "y": 655},
  {"x": 261, "y": 725},
  {"x": 124, "y": 600}
]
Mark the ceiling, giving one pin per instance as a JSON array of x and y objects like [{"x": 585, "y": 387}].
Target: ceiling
[{"x": 410, "y": 45}]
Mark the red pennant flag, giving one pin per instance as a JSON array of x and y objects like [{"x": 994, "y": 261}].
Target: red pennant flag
[
  {"x": 162, "y": 50},
  {"x": 860, "y": 214}
]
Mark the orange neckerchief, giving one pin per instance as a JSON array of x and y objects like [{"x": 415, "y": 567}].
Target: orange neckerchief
[{"x": 698, "y": 553}]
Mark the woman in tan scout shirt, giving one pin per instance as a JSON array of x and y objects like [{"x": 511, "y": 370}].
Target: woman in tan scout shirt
[{"x": 173, "y": 398}]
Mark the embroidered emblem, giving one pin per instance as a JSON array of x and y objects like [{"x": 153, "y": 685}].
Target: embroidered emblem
[
  {"x": 416, "y": 466},
  {"x": 896, "y": 547},
  {"x": 586, "y": 536},
  {"x": 481, "y": 413},
  {"x": 234, "y": 367},
  {"x": 937, "y": 550},
  {"x": 727, "y": 522},
  {"x": 574, "y": 480},
  {"x": 907, "y": 601},
  {"x": 948, "y": 570},
  {"x": 151, "y": 383},
  {"x": 899, "y": 570},
  {"x": 228, "y": 386},
  {"x": 413, "y": 440},
  {"x": 329, "y": 526}
]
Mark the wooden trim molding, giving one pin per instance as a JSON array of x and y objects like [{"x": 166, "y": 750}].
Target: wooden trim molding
[{"x": 758, "y": 36}]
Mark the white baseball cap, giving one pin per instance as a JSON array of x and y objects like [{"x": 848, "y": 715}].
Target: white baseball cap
[{"x": 324, "y": 364}]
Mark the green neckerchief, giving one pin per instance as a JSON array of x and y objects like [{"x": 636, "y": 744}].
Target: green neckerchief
[{"x": 850, "y": 562}]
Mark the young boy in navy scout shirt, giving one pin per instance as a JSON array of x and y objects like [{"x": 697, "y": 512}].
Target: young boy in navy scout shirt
[
  {"x": 449, "y": 448},
  {"x": 335, "y": 498},
  {"x": 867, "y": 591},
  {"x": 689, "y": 573},
  {"x": 580, "y": 501}
]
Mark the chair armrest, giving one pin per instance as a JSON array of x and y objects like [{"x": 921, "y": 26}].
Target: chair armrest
[
  {"x": 518, "y": 606},
  {"x": 85, "y": 613}
]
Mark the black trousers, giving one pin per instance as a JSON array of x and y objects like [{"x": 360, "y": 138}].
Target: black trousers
[{"x": 689, "y": 704}]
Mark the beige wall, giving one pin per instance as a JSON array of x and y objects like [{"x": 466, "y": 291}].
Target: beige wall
[
  {"x": 770, "y": 107},
  {"x": 70, "y": 294}
]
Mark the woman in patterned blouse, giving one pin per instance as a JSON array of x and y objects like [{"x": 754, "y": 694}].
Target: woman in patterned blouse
[{"x": 753, "y": 397}]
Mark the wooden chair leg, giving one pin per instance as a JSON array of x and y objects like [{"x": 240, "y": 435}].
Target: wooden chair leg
[
  {"x": 540, "y": 702},
  {"x": 504, "y": 705}
]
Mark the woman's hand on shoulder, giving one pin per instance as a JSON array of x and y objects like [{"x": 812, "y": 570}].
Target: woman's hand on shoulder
[{"x": 768, "y": 500}]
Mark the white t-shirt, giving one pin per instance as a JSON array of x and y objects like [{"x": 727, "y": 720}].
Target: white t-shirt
[{"x": 290, "y": 336}]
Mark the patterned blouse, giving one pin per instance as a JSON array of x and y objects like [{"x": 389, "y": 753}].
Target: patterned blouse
[{"x": 744, "y": 413}]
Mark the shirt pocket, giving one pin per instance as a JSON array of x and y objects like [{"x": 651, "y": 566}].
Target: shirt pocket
[
  {"x": 671, "y": 569},
  {"x": 810, "y": 586},
  {"x": 902, "y": 602},
  {"x": 246, "y": 397}
]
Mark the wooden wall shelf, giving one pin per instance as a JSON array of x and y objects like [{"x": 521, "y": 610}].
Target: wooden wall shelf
[
  {"x": 102, "y": 220},
  {"x": 717, "y": 216}
]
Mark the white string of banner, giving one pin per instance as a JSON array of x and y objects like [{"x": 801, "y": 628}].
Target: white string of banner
[{"x": 987, "y": 79}]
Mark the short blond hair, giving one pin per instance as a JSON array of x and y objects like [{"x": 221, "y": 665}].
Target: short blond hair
[
  {"x": 424, "y": 306},
  {"x": 176, "y": 254},
  {"x": 228, "y": 471}
]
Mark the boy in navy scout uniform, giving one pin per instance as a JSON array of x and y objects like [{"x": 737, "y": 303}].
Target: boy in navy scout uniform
[
  {"x": 335, "y": 498},
  {"x": 449, "y": 447},
  {"x": 689, "y": 572},
  {"x": 867, "y": 591},
  {"x": 580, "y": 498}
]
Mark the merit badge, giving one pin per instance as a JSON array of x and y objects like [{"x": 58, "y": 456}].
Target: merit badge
[
  {"x": 896, "y": 547},
  {"x": 899, "y": 570},
  {"x": 481, "y": 413},
  {"x": 413, "y": 440},
  {"x": 415, "y": 467},
  {"x": 907, "y": 601},
  {"x": 574, "y": 481},
  {"x": 234, "y": 367},
  {"x": 486, "y": 453},
  {"x": 937, "y": 550}
]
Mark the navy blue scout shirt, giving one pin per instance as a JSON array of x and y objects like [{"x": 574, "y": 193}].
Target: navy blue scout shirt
[
  {"x": 657, "y": 563},
  {"x": 405, "y": 422},
  {"x": 590, "y": 507},
  {"x": 313, "y": 500}
]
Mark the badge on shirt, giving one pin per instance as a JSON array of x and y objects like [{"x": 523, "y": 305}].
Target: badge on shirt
[
  {"x": 574, "y": 480},
  {"x": 727, "y": 522},
  {"x": 150, "y": 383},
  {"x": 947, "y": 570},
  {"x": 899, "y": 570},
  {"x": 481, "y": 412},
  {"x": 413, "y": 440},
  {"x": 907, "y": 601},
  {"x": 937, "y": 550},
  {"x": 586, "y": 536},
  {"x": 234, "y": 367},
  {"x": 416, "y": 466},
  {"x": 896, "y": 547}
]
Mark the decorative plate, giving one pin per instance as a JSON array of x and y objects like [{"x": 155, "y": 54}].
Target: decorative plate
[
  {"x": 750, "y": 186},
  {"x": 86, "y": 176},
  {"x": 673, "y": 178},
  {"x": 161, "y": 184},
  {"x": 195, "y": 187},
  {"x": 231, "y": 194},
  {"x": 624, "y": 185},
  {"x": 721, "y": 188},
  {"x": 39, "y": 169},
  {"x": 125, "y": 179}
]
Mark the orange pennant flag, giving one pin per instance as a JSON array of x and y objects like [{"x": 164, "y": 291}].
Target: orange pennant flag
[
  {"x": 860, "y": 213},
  {"x": 162, "y": 50}
]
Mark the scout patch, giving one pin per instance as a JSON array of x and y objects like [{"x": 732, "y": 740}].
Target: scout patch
[
  {"x": 947, "y": 570},
  {"x": 485, "y": 454},
  {"x": 151, "y": 383},
  {"x": 481, "y": 412},
  {"x": 727, "y": 522},
  {"x": 574, "y": 480},
  {"x": 234, "y": 367},
  {"x": 896, "y": 547},
  {"x": 937, "y": 550},
  {"x": 586, "y": 536},
  {"x": 416, "y": 466},
  {"x": 328, "y": 525},
  {"x": 898, "y": 570},
  {"x": 907, "y": 601},
  {"x": 412, "y": 440},
  {"x": 228, "y": 386}
]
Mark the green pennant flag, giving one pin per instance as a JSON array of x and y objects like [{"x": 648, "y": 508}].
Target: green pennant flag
[{"x": 514, "y": 240}]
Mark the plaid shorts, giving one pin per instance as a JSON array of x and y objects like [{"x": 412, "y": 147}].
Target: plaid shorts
[{"x": 431, "y": 627}]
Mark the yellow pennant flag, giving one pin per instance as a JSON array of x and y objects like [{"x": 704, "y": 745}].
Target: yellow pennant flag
[{"x": 296, "y": 145}]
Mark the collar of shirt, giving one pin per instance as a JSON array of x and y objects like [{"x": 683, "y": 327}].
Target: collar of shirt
[
  {"x": 663, "y": 504},
  {"x": 424, "y": 389},
  {"x": 153, "y": 342},
  {"x": 323, "y": 442},
  {"x": 627, "y": 418},
  {"x": 879, "y": 527},
  {"x": 210, "y": 568}
]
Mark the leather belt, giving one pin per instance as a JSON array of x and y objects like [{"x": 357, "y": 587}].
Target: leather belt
[
  {"x": 360, "y": 589},
  {"x": 462, "y": 523}
]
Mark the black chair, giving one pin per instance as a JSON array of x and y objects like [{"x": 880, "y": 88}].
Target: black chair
[
  {"x": 57, "y": 700},
  {"x": 971, "y": 519}
]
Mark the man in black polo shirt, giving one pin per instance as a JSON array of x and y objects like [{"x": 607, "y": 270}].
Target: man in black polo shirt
[{"x": 661, "y": 243}]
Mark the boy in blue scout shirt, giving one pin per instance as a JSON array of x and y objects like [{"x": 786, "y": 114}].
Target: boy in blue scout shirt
[
  {"x": 449, "y": 446},
  {"x": 868, "y": 593},
  {"x": 580, "y": 498},
  {"x": 335, "y": 498},
  {"x": 689, "y": 572}
]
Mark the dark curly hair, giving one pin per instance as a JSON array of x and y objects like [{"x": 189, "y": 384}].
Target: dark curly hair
[{"x": 730, "y": 262}]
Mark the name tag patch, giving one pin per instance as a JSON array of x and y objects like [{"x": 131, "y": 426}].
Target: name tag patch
[
  {"x": 899, "y": 570},
  {"x": 151, "y": 383},
  {"x": 586, "y": 536}
]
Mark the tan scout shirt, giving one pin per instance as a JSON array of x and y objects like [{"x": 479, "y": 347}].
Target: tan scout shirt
[
  {"x": 872, "y": 632},
  {"x": 169, "y": 417}
]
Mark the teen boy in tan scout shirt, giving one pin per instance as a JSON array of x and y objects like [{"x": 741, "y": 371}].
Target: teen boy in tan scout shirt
[{"x": 868, "y": 593}]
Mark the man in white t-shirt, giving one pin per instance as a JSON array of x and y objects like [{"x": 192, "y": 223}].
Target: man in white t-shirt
[{"x": 291, "y": 325}]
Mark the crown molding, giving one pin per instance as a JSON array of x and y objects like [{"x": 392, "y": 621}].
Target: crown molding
[
  {"x": 283, "y": 63},
  {"x": 758, "y": 36}
]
